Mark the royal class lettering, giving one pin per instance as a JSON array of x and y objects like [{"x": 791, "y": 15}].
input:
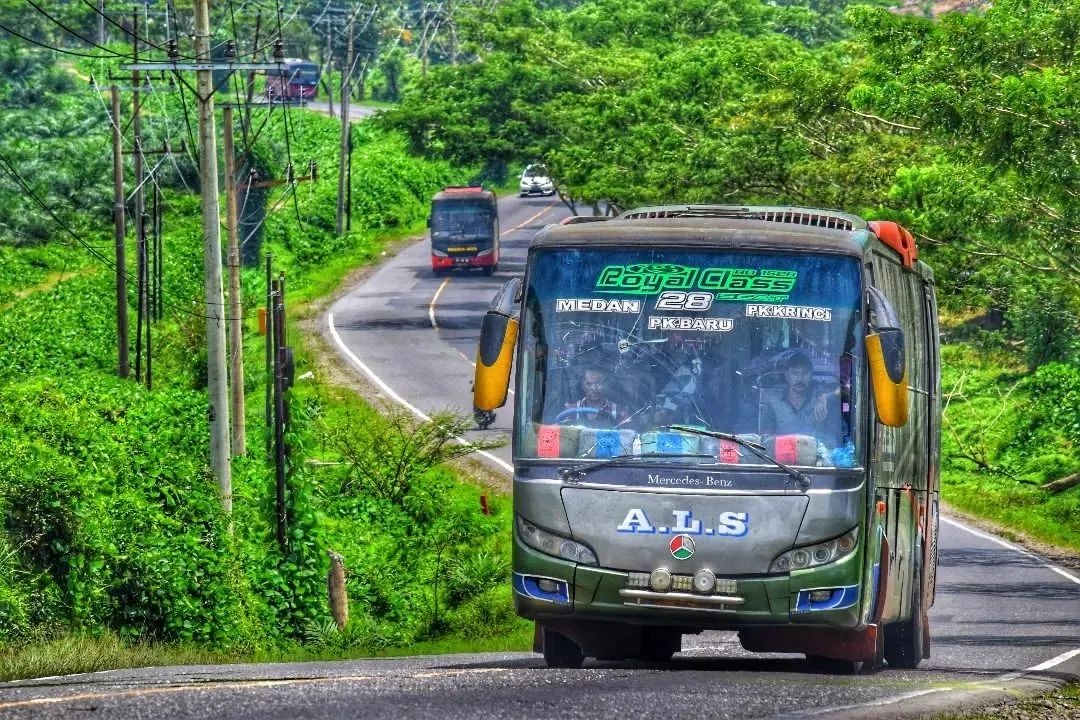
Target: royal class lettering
[
  {"x": 646, "y": 278},
  {"x": 664, "y": 322},
  {"x": 652, "y": 278},
  {"x": 777, "y": 281},
  {"x": 794, "y": 312},
  {"x": 683, "y": 522},
  {"x": 597, "y": 305}
]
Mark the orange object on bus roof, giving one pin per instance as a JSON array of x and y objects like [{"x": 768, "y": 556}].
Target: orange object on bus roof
[{"x": 898, "y": 238}]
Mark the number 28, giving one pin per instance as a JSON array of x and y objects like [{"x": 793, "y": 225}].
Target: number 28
[{"x": 679, "y": 300}]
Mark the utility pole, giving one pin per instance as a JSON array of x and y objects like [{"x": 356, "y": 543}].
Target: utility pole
[
  {"x": 123, "y": 368},
  {"x": 214, "y": 300},
  {"x": 329, "y": 65},
  {"x": 346, "y": 127},
  {"x": 236, "y": 321},
  {"x": 217, "y": 380},
  {"x": 139, "y": 211}
]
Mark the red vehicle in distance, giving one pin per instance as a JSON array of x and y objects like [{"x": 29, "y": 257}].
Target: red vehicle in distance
[
  {"x": 293, "y": 80},
  {"x": 464, "y": 229}
]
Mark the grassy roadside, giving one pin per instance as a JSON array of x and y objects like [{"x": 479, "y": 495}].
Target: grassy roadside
[
  {"x": 74, "y": 654},
  {"x": 1061, "y": 704}
]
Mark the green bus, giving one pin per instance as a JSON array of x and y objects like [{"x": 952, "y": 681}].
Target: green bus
[{"x": 725, "y": 418}]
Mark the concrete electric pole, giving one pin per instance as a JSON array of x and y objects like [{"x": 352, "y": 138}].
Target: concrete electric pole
[
  {"x": 214, "y": 299},
  {"x": 217, "y": 378},
  {"x": 236, "y": 317}
]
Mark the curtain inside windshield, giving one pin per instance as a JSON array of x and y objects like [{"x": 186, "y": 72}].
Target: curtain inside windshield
[{"x": 619, "y": 346}]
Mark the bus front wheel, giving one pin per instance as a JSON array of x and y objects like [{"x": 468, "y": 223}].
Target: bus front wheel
[
  {"x": 905, "y": 640},
  {"x": 560, "y": 651},
  {"x": 658, "y": 644}
]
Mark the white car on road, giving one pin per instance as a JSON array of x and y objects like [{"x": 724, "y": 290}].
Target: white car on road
[{"x": 535, "y": 181}]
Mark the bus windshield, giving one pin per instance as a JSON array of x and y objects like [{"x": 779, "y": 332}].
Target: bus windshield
[
  {"x": 303, "y": 73},
  {"x": 619, "y": 346},
  {"x": 460, "y": 220}
]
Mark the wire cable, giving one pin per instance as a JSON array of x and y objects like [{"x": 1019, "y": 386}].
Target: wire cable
[
  {"x": 63, "y": 51},
  {"x": 69, "y": 31},
  {"x": 105, "y": 260}
]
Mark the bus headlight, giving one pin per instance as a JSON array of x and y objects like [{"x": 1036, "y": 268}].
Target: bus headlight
[
  {"x": 814, "y": 555},
  {"x": 552, "y": 544}
]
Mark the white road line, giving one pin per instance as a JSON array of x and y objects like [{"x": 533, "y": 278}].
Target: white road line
[
  {"x": 985, "y": 536},
  {"x": 1052, "y": 662},
  {"x": 872, "y": 703},
  {"x": 397, "y": 398},
  {"x": 434, "y": 302},
  {"x": 1060, "y": 571}
]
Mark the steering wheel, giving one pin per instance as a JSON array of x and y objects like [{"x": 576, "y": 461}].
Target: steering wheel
[{"x": 574, "y": 412}]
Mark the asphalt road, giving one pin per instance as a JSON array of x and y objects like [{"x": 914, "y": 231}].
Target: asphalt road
[
  {"x": 1005, "y": 621},
  {"x": 404, "y": 311},
  {"x": 356, "y": 112}
]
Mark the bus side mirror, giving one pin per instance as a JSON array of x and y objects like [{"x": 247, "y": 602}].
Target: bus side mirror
[
  {"x": 495, "y": 351},
  {"x": 886, "y": 358}
]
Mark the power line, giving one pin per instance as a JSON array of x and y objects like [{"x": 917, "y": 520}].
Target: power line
[
  {"x": 64, "y": 51},
  {"x": 69, "y": 31},
  {"x": 105, "y": 260}
]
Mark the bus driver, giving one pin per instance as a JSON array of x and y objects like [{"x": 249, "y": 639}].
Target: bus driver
[
  {"x": 801, "y": 407},
  {"x": 599, "y": 408}
]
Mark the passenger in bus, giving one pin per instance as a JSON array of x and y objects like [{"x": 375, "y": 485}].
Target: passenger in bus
[
  {"x": 599, "y": 405},
  {"x": 675, "y": 402},
  {"x": 701, "y": 391},
  {"x": 801, "y": 407}
]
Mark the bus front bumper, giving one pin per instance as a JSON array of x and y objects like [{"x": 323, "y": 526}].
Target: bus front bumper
[{"x": 548, "y": 588}]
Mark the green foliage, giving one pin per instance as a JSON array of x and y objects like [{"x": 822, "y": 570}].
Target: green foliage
[
  {"x": 1054, "y": 395},
  {"x": 489, "y": 614},
  {"x": 14, "y": 600},
  {"x": 384, "y": 455},
  {"x": 964, "y": 128},
  {"x": 111, "y": 521},
  {"x": 103, "y": 495},
  {"x": 1006, "y": 434}
]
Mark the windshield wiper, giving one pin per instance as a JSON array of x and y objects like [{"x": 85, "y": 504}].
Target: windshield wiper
[
  {"x": 756, "y": 448},
  {"x": 578, "y": 473}
]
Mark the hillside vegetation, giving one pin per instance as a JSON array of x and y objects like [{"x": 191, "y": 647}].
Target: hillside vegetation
[
  {"x": 111, "y": 517},
  {"x": 965, "y": 129}
]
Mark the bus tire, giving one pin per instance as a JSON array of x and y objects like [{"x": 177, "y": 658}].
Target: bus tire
[
  {"x": 905, "y": 640},
  {"x": 491, "y": 270},
  {"x": 658, "y": 644},
  {"x": 835, "y": 666},
  {"x": 560, "y": 651}
]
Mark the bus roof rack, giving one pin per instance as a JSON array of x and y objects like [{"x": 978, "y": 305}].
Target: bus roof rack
[
  {"x": 578, "y": 219},
  {"x": 463, "y": 188},
  {"x": 790, "y": 215}
]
